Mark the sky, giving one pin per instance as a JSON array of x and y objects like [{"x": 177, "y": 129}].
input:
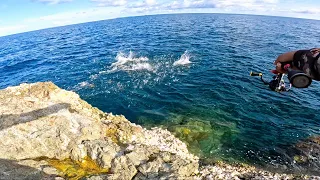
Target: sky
[{"x": 26, "y": 15}]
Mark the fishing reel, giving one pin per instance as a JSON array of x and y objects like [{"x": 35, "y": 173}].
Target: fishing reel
[
  {"x": 276, "y": 84},
  {"x": 297, "y": 79}
]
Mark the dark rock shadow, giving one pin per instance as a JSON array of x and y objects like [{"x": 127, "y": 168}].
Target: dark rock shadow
[
  {"x": 10, "y": 169},
  {"x": 8, "y": 120}
]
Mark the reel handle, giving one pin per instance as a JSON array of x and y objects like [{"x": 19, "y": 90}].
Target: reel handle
[
  {"x": 286, "y": 65},
  {"x": 255, "y": 74}
]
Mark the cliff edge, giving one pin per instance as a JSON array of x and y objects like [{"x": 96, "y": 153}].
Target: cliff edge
[{"x": 50, "y": 133}]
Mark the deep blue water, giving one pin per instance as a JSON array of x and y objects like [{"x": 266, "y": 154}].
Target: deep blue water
[{"x": 129, "y": 66}]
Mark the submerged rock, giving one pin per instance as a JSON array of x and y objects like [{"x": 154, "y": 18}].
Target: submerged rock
[
  {"x": 305, "y": 156},
  {"x": 203, "y": 137},
  {"x": 50, "y": 133}
]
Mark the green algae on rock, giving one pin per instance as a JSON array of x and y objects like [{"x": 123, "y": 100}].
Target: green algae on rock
[{"x": 201, "y": 135}]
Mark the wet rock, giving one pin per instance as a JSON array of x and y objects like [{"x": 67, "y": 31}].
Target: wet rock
[{"x": 305, "y": 155}]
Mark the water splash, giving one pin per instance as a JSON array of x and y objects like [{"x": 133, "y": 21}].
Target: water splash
[
  {"x": 141, "y": 71},
  {"x": 94, "y": 76},
  {"x": 184, "y": 59},
  {"x": 130, "y": 63},
  {"x": 84, "y": 83}
]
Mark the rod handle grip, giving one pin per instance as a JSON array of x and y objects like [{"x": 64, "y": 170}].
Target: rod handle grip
[{"x": 255, "y": 74}]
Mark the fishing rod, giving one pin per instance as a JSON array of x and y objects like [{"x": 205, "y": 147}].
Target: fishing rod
[{"x": 297, "y": 79}]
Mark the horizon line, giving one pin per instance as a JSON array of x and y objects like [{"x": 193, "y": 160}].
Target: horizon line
[{"x": 155, "y": 15}]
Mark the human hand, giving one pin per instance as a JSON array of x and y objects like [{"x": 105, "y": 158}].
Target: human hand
[
  {"x": 315, "y": 51},
  {"x": 286, "y": 57}
]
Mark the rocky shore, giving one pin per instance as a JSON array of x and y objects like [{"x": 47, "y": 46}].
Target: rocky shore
[{"x": 50, "y": 133}]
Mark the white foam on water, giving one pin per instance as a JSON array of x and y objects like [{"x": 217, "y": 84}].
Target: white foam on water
[
  {"x": 85, "y": 84},
  {"x": 184, "y": 59},
  {"x": 94, "y": 76},
  {"x": 142, "y": 71},
  {"x": 130, "y": 63}
]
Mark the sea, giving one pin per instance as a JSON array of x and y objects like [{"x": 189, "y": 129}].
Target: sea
[{"x": 189, "y": 73}]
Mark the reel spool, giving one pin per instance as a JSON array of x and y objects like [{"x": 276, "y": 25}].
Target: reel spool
[{"x": 298, "y": 79}]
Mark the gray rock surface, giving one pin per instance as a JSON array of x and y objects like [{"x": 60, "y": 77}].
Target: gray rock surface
[{"x": 50, "y": 133}]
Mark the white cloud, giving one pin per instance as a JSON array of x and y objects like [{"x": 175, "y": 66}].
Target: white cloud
[
  {"x": 110, "y": 2},
  {"x": 61, "y": 19},
  {"x": 151, "y": 6},
  {"x": 249, "y": 4},
  {"x": 74, "y": 17},
  {"x": 268, "y": 1},
  {"x": 198, "y": 4},
  {"x": 150, "y": 2},
  {"x": 107, "y": 9},
  {"x": 306, "y": 11},
  {"x": 4, "y": 30},
  {"x": 53, "y": 1}
]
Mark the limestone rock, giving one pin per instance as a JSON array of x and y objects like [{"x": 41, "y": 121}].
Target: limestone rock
[
  {"x": 50, "y": 133},
  {"x": 102, "y": 151},
  {"x": 39, "y": 120},
  {"x": 123, "y": 168},
  {"x": 41, "y": 123}
]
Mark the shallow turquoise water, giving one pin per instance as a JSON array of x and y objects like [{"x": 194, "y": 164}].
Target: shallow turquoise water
[{"x": 170, "y": 70}]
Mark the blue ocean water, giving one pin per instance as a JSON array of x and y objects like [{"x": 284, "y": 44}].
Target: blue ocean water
[{"x": 168, "y": 70}]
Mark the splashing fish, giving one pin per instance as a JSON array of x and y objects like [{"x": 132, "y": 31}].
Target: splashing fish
[
  {"x": 184, "y": 59},
  {"x": 130, "y": 63}
]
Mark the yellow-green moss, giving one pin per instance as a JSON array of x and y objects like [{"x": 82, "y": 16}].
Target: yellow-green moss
[
  {"x": 204, "y": 138},
  {"x": 74, "y": 170},
  {"x": 111, "y": 132},
  {"x": 300, "y": 159}
]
